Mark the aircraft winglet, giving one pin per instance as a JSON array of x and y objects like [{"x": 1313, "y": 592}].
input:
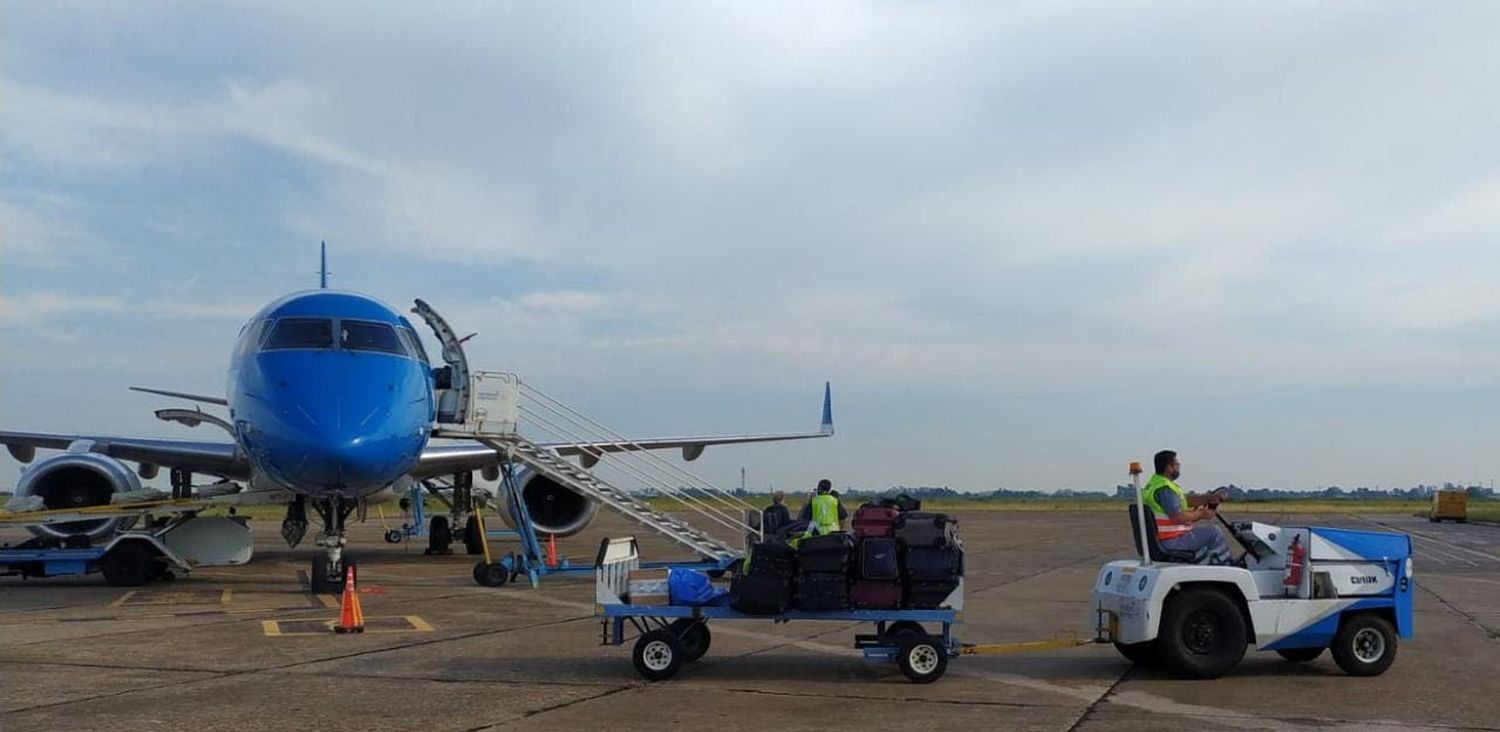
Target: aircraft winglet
[{"x": 827, "y": 426}]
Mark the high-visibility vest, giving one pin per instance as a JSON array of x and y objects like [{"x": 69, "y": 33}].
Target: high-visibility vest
[
  {"x": 1166, "y": 526},
  {"x": 825, "y": 514}
]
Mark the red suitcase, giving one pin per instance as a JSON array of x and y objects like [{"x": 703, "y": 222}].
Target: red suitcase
[
  {"x": 875, "y": 521},
  {"x": 875, "y": 595}
]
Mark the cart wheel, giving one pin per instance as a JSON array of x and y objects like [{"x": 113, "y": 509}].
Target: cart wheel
[
  {"x": 906, "y": 629},
  {"x": 1299, "y": 655},
  {"x": 129, "y": 564},
  {"x": 493, "y": 574},
  {"x": 694, "y": 637},
  {"x": 1202, "y": 634},
  {"x": 922, "y": 661},
  {"x": 394, "y": 536},
  {"x": 657, "y": 655},
  {"x": 1140, "y": 654},
  {"x": 1365, "y": 645}
]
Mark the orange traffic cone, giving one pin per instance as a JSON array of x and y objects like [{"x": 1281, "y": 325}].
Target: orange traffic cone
[
  {"x": 552, "y": 550},
  {"x": 351, "y": 617}
]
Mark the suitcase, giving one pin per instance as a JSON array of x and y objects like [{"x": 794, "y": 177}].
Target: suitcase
[
  {"x": 760, "y": 594},
  {"x": 919, "y": 528},
  {"x": 772, "y": 558},
  {"x": 828, "y": 553},
  {"x": 933, "y": 563},
  {"x": 822, "y": 591},
  {"x": 875, "y": 595},
  {"x": 878, "y": 521},
  {"x": 922, "y": 595},
  {"x": 879, "y": 559},
  {"x": 902, "y": 502}
]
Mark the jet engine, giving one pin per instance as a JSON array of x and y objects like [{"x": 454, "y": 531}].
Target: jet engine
[
  {"x": 554, "y": 508},
  {"x": 78, "y": 480}
]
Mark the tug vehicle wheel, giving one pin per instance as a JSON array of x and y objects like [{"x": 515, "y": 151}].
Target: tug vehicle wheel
[
  {"x": 1365, "y": 645},
  {"x": 1202, "y": 634}
]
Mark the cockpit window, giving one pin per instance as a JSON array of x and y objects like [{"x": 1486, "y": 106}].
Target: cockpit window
[
  {"x": 301, "y": 333},
  {"x": 414, "y": 343},
  {"x": 355, "y": 335}
]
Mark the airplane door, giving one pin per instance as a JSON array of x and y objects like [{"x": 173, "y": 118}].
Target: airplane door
[{"x": 453, "y": 380}]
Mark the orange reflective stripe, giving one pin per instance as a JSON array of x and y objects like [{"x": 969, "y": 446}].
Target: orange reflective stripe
[{"x": 1168, "y": 529}]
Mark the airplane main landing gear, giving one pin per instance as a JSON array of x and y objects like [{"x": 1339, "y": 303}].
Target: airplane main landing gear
[{"x": 329, "y": 567}]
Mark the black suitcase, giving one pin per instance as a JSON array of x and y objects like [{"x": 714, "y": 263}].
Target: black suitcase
[
  {"x": 879, "y": 559},
  {"x": 827, "y": 553},
  {"x": 772, "y": 558},
  {"x": 934, "y": 562},
  {"x": 920, "y": 528},
  {"x": 822, "y": 591},
  {"x": 760, "y": 594},
  {"x": 922, "y": 595}
]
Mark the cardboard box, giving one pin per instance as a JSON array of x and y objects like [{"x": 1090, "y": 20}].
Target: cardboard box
[{"x": 648, "y": 587}]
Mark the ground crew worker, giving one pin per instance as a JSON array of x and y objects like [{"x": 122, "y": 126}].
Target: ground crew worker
[
  {"x": 824, "y": 511},
  {"x": 1176, "y": 513},
  {"x": 776, "y": 515}
]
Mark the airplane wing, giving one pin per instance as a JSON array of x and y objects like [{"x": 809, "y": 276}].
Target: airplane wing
[
  {"x": 438, "y": 459},
  {"x": 217, "y": 458},
  {"x": 221, "y": 401}
]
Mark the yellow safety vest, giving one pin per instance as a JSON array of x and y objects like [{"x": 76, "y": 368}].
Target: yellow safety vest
[
  {"x": 1166, "y": 526},
  {"x": 825, "y": 514}
]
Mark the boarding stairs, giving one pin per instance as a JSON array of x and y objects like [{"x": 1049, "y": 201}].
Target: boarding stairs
[{"x": 498, "y": 402}]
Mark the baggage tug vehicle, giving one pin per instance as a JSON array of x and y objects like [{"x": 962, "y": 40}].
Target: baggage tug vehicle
[{"x": 1302, "y": 590}]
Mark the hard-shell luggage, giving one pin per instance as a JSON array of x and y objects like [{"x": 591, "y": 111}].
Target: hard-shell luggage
[
  {"x": 772, "y": 558},
  {"x": 822, "y": 591},
  {"x": 760, "y": 594},
  {"x": 826, "y": 553},
  {"x": 879, "y": 559},
  {"x": 934, "y": 563},
  {"x": 879, "y": 521},
  {"x": 920, "y": 528},
  {"x": 875, "y": 595},
  {"x": 925, "y": 595}
]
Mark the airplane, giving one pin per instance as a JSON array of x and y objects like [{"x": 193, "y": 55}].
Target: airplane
[{"x": 332, "y": 401}]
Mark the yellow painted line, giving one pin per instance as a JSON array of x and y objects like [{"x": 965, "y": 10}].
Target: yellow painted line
[
  {"x": 123, "y": 598},
  {"x": 329, "y": 601},
  {"x": 415, "y": 624},
  {"x": 226, "y": 596}
]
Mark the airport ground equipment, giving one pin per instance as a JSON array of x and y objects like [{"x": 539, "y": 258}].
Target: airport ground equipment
[
  {"x": 668, "y": 636},
  {"x": 497, "y": 401},
  {"x": 176, "y": 539},
  {"x": 1303, "y": 590},
  {"x": 1449, "y": 506},
  {"x": 533, "y": 560}
]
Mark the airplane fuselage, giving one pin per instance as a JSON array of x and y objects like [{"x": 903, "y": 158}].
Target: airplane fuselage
[{"x": 330, "y": 394}]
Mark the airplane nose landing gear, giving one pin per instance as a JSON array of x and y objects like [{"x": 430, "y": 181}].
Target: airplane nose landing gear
[{"x": 328, "y": 568}]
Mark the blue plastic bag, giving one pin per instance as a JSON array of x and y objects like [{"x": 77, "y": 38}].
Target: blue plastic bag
[{"x": 692, "y": 588}]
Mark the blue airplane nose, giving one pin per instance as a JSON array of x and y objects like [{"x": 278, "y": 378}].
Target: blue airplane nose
[{"x": 346, "y": 424}]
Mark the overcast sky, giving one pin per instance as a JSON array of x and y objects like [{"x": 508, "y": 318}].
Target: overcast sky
[{"x": 1027, "y": 242}]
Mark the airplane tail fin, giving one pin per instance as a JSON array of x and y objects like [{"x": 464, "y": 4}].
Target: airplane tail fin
[{"x": 323, "y": 265}]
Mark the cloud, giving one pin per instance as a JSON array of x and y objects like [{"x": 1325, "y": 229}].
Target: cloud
[{"x": 29, "y": 308}]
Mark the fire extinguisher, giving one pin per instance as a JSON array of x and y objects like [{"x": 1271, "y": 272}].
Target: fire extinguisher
[{"x": 1297, "y": 553}]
